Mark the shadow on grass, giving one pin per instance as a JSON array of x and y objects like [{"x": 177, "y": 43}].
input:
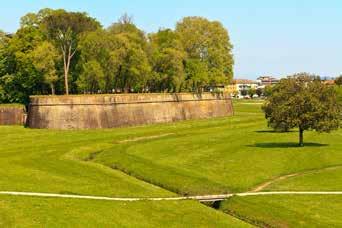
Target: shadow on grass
[
  {"x": 285, "y": 145},
  {"x": 273, "y": 131}
]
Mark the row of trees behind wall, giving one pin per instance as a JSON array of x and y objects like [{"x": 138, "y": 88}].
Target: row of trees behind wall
[{"x": 61, "y": 52}]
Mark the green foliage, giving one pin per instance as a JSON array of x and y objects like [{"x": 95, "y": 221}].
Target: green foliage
[
  {"x": 63, "y": 28},
  {"x": 338, "y": 80},
  {"x": 20, "y": 77},
  {"x": 299, "y": 101},
  {"x": 338, "y": 90},
  {"x": 244, "y": 92},
  {"x": 51, "y": 43},
  {"x": 99, "y": 46},
  {"x": 251, "y": 92},
  {"x": 44, "y": 58},
  {"x": 259, "y": 92},
  {"x": 130, "y": 57},
  {"x": 208, "y": 42},
  {"x": 167, "y": 57},
  {"x": 196, "y": 74},
  {"x": 268, "y": 90},
  {"x": 92, "y": 77}
]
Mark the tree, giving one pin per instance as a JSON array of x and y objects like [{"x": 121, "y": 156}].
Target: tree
[
  {"x": 338, "y": 80},
  {"x": 299, "y": 101},
  {"x": 44, "y": 59},
  {"x": 244, "y": 92},
  {"x": 64, "y": 28},
  {"x": 259, "y": 92},
  {"x": 132, "y": 67},
  {"x": 4, "y": 54},
  {"x": 208, "y": 42},
  {"x": 21, "y": 78},
  {"x": 251, "y": 92},
  {"x": 167, "y": 58},
  {"x": 268, "y": 91},
  {"x": 100, "y": 46},
  {"x": 92, "y": 77},
  {"x": 196, "y": 75}
]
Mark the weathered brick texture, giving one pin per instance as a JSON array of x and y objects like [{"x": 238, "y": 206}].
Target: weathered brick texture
[
  {"x": 108, "y": 111},
  {"x": 12, "y": 115}
]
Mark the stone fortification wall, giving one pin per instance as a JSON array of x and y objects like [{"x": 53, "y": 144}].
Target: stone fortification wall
[
  {"x": 108, "y": 111},
  {"x": 12, "y": 115}
]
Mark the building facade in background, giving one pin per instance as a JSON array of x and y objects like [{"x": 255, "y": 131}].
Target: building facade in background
[{"x": 239, "y": 87}]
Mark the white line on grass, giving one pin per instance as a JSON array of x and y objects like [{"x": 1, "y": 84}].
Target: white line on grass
[{"x": 200, "y": 198}]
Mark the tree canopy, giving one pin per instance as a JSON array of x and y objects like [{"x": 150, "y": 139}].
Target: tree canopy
[
  {"x": 208, "y": 42},
  {"x": 57, "y": 51},
  {"x": 302, "y": 102},
  {"x": 63, "y": 28}
]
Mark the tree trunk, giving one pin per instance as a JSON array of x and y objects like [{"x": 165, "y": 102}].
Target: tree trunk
[
  {"x": 301, "y": 138},
  {"x": 68, "y": 53},
  {"x": 66, "y": 71},
  {"x": 52, "y": 89}
]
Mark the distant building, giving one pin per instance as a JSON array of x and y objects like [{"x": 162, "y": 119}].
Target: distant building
[
  {"x": 239, "y": 87},
  {"x": 328, "y": 82},
  {"x": 267, "y": 80}
]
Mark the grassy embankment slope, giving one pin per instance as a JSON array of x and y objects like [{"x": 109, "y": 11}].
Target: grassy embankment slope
[
  {"x": 56, "y": 162},
  {"x": 221, "y": 155},
  {"x": 238, "y": 154}
]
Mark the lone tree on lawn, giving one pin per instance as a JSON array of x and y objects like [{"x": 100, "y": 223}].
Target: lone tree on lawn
[{"x": 300, "y": 101}]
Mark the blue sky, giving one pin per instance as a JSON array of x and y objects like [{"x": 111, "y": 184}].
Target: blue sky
[{"x": 270, "y": 37}]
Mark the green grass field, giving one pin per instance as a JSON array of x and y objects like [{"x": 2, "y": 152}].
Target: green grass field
[
  {"x": 48, "y": 212},
  {"x": 287, "y": 211},
  {"x": 221, "y": 155}
]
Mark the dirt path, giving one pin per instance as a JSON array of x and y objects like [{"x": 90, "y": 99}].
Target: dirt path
[
  {"x": 284, "y": 177},
  {"x": 144, "y": 138},
  {"x": 204, "y": 198}
]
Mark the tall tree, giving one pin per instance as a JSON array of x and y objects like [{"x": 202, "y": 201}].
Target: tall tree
[
  {"x": 44, "y": 58},
  {"x": 99, "y": 46},
  {"x": 208, "y": 42},
  {"x": 64, "y": 28},
  {"x": 22, "y": 78},
  {"x": 302, "y": 102},
  {"x": 196, "y": 75},
  {"x": 167, "y": 57},
  {"x": 4, "y": 55},
  {"x": 92, "y": 77},
  {"x": 130, "y": 57}
]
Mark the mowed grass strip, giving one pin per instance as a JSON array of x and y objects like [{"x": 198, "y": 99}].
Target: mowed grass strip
[
  {"x": 222, "y": 155},
  {"x": 48, "y": 212},
  {"x": 329, "y": 179},
  {"x": 53, "y": 162},
  {"x": 287, "y": 210}
]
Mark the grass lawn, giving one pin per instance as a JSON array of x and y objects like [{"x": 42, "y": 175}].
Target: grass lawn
[
  {"x": 287, "y": 211},
  {"x": 50, "y": 161},
  {"x": 222, "y": 155},
  {"x": 48, "y": 212},
  {"x": 12, "y": 105},
  {"x": 321, "y": 180}
]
